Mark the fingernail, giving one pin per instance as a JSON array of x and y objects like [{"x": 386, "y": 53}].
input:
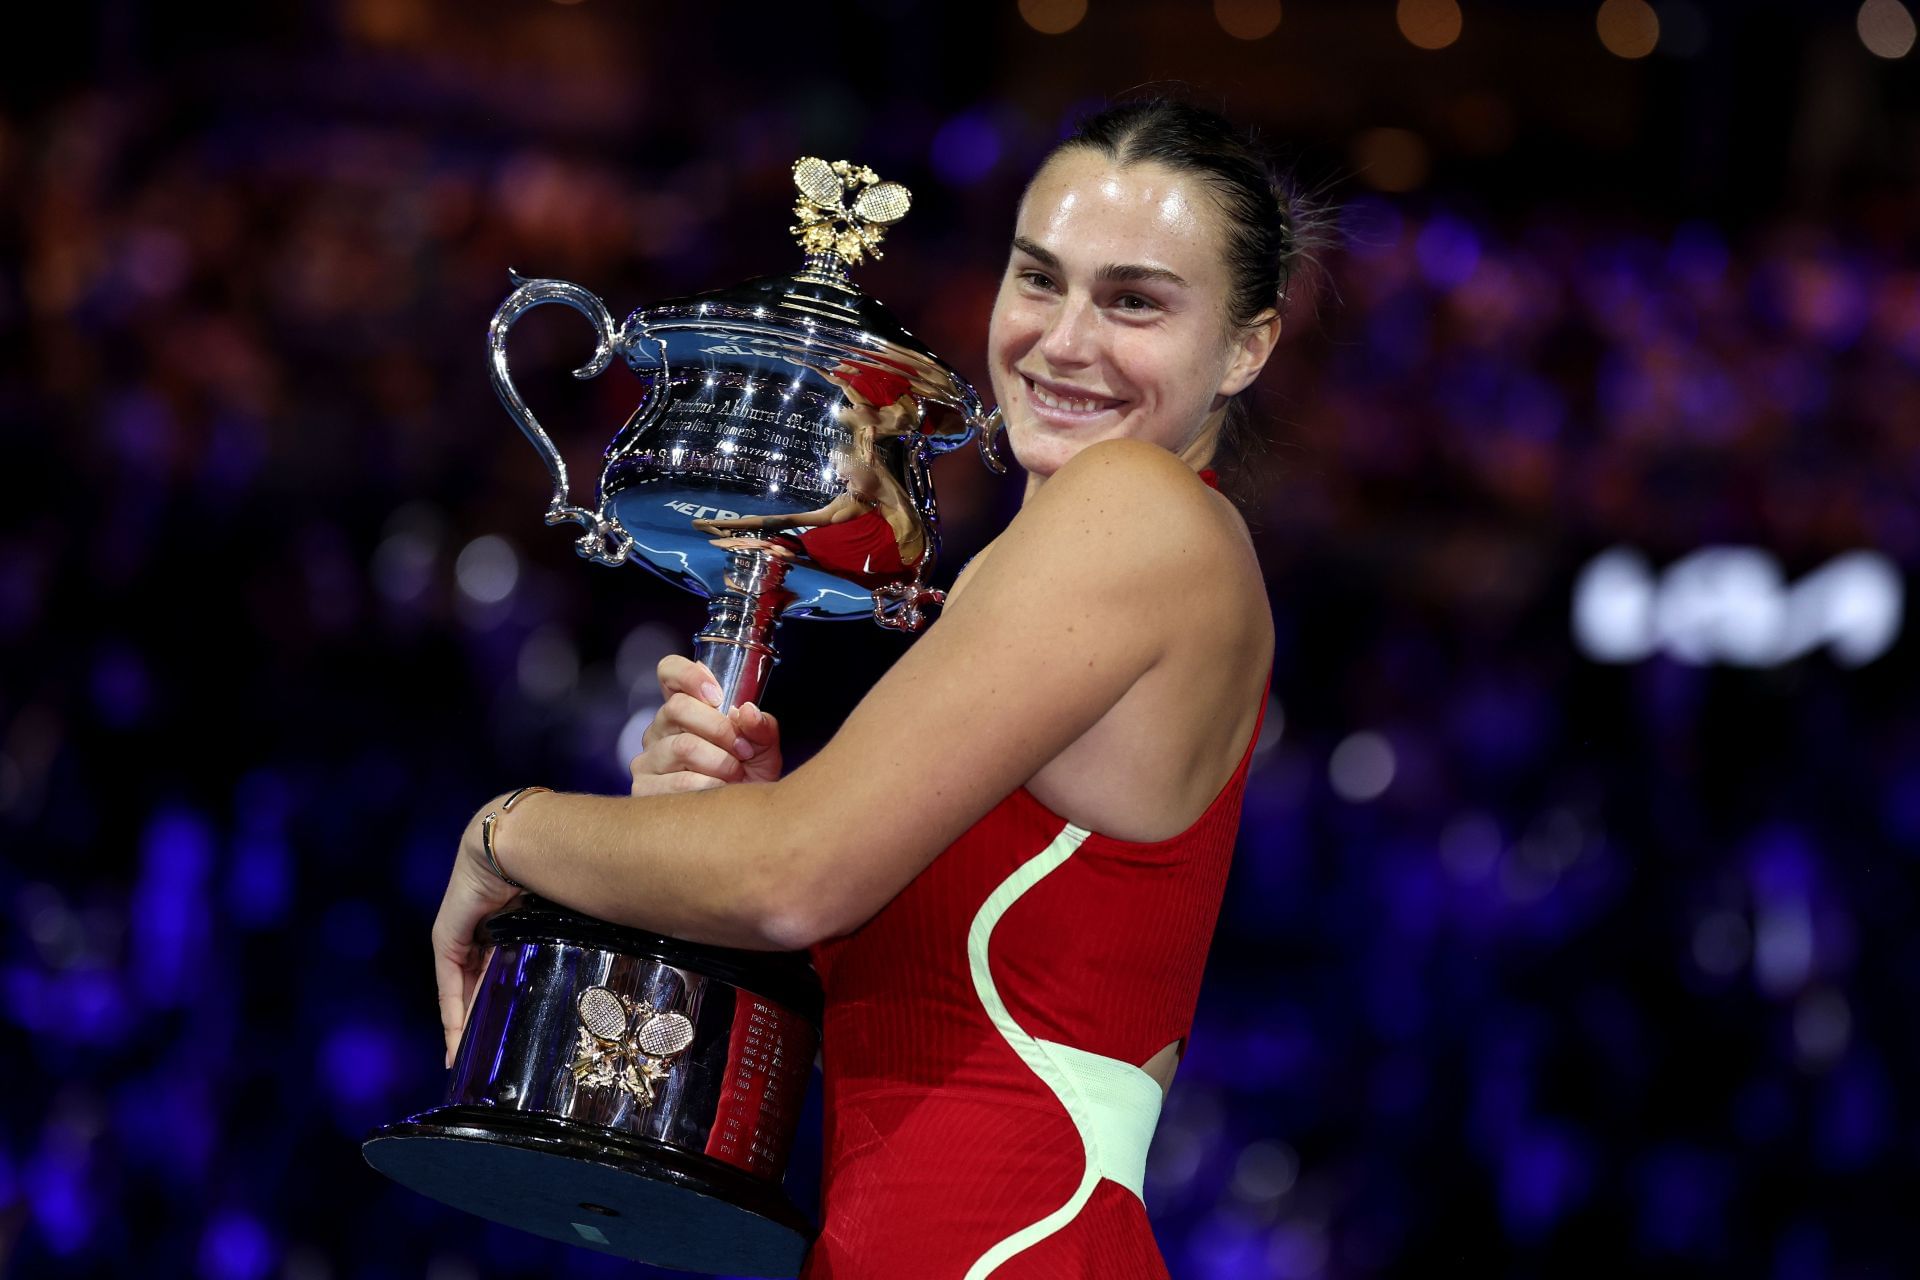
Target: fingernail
[
  {"x": 750, "y": 711},
  {"x": 744, "y": 749},
  {"x": 711, "y": 692}
]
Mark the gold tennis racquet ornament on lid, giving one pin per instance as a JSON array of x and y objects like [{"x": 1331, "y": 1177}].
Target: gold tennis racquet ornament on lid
[{"x": 627, "y": 1091}]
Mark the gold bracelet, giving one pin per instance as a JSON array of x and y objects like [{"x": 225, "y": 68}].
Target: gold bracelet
[{"x": 486, "y": 832}]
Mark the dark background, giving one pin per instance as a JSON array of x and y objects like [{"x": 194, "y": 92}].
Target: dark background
[{"x": 1540, "y": 959}]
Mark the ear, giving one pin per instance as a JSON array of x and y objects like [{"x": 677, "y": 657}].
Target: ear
[{"x": 1248, "y": 356}]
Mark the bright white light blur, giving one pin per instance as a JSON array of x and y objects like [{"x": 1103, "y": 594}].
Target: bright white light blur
[
  {"x": 1469, "y": 846},
  {"x": 1362, "y": 767},
  {"x": 1822, "y": 1026},
  {"x": 1265, "y": 1171},
  {"x": 1613, "y": 607},
  {"x": 1886, "y": 28},
  {"x": 1721, "y": 943},
  {"x": 549, "y": 665},
  {"x": 1854, "y": 602},
  {"x": 1731, "y": 605},
  {"x": 1724, "y": 602},
  {"x": 488, "y": 569}
]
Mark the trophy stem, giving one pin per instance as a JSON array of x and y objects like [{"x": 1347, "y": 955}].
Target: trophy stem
[{"x": 737, "y": 642}]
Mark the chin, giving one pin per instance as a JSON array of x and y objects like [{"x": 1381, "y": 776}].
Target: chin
[{"x": 1040, "y": 453}]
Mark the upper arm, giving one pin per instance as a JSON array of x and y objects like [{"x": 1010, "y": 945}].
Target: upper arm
[{"x": 1079, "y": 599}]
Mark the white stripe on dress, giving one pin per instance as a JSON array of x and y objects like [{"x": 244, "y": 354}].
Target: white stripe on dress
[{"x": 1113, "y": 1104}]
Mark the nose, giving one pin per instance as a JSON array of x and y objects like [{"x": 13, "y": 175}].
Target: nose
[{"x": 1068, "y": 340}]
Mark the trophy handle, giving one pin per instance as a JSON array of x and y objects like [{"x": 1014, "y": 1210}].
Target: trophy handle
[
  {"x": 988, "y": 438},
  {"x": 604, "y": 541}
]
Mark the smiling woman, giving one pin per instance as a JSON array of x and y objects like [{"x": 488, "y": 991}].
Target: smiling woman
[{"x": 1011, "y": 962}]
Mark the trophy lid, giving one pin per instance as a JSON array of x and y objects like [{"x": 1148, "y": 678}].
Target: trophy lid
[{"x": 783, "y": 395}]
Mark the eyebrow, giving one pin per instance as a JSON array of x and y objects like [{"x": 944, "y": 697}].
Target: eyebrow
[{"x": 1115, "y": 272}]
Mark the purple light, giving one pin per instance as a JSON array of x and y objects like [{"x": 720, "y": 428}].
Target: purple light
[
  {"x": 966, "y": 149},
  {"x": 1854, "y": 1116},
  {"x": 1544, "y": 1176},
  {"x": 1371, "y": 227},
  {"x": 235, "y": 1247},
  {"x": 260, "y": 883},
  {"x": 170, "y": 911},
  {"x": 60, "y": 1208},
  {"x": 1448, "y": 250},
  {"x": 1698, "y": 253},
  {"x": 359, "y": 1064},
  {"x": 1683, "y": 1195}
]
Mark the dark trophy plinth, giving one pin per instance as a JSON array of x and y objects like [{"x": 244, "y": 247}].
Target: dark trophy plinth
[
  {"x": 681, "y": 1170},
  {"x": 622, "y": 1090}
]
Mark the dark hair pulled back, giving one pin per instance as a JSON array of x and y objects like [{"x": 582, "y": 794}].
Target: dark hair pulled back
[
  {"x": 1271, "y": 231},
  {"x": 1261, "y": 247}
]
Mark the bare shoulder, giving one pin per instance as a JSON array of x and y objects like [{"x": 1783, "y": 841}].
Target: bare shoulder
[
  {"x": 1136, "y": 505},
  {"x": 1125, "y": 469}
]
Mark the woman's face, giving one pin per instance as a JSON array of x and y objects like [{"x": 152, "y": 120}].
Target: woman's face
[{"x": 1111, "y": 319}]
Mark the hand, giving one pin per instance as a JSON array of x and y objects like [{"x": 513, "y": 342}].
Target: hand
[
  {"x": 691, "y": 745},
  {"x": 745, "y": 524},
  {"x": 473, "y": 894}
]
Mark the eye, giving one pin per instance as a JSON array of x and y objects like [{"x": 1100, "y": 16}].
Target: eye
[
  {"x": 1035, "y": 279},
  {"x": 1135, "y": 302}
]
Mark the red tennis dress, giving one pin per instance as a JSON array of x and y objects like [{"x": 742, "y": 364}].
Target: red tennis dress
[{"x": 985, "y": 1114}]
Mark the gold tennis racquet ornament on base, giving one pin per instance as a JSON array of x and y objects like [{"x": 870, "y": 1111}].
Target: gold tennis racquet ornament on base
[{"x": 627, "y": 1091}]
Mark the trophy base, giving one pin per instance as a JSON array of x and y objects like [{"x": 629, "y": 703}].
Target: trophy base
[{"x": 594, "y": 1188}]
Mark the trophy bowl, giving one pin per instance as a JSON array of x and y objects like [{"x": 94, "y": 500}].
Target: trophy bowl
[{"x": 618, "y": 1089}]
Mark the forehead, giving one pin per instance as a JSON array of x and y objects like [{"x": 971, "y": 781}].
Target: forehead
[{"x": 1090, "y": 211}]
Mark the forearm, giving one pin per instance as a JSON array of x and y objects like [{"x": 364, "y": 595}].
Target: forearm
[{"x": 705, "y": 866}]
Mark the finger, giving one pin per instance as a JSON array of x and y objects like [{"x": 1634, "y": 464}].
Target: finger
[
  {"x": 762, "y": 732},
  {"x": 687, "y": 751},
  {"x": 683, "y": 713},
  {"x": 449, "y": 973},
  {"x": 679, "y": 674},
  {"x": 756, "y": 726}
]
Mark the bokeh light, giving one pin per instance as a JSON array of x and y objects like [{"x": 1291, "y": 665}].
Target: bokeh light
[
  {"x": 1389, "y": 159},
  {"x": 1628, "y": 28},
  {"x": 1247, "y": 19},
  {"x": 1430, "y": 24},
  {"x": 487, "y": 569},
  {"x": 1886, "y": 27},
  {"x": 1362, "y": 767},
  {"x": 1053, "y": 17}
]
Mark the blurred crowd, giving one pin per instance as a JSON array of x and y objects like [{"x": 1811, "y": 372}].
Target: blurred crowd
[{"x": 1532, "y": 964}]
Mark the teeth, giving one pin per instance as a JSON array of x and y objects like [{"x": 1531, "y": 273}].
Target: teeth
[{"x": 1070, "y": 404}]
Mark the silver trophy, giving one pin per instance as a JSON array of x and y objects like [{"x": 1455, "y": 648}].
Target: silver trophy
[{"x": 622, "y": 1090}]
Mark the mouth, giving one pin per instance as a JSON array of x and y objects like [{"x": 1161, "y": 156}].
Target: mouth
[{"x": 1067, "y": 405}]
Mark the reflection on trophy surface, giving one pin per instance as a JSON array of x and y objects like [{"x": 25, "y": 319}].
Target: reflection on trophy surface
[{"x": 626, "y": 1091}]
